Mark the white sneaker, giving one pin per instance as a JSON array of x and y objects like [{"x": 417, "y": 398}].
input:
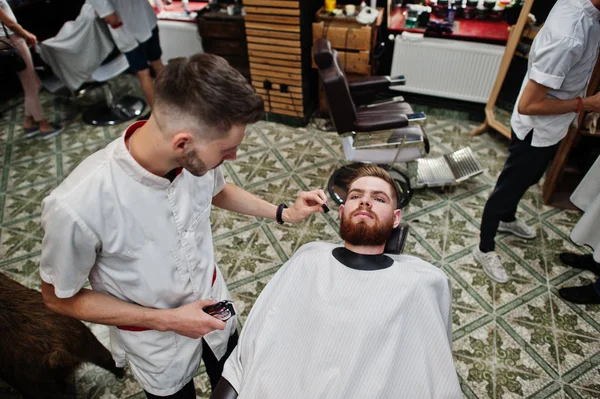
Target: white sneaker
[
  {"x": 518, "y": 228},
  {"x": 491, "y": 265}
]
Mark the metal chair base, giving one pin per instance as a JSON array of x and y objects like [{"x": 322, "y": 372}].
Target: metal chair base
[
  {"x": 336, "y": 186},
  {"x": 122, "y": 110}
]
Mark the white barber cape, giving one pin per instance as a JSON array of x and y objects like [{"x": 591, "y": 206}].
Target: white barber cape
[
  {"x": 144, "y": 240},
  {"x": 320, "y": 329},
  {"x": 587, "y": 198}
]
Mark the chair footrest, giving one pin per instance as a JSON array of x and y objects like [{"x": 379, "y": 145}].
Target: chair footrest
[{"x": 448, "y": 169}]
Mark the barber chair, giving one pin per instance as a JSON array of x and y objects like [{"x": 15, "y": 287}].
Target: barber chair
[
  {"x": 110, "y": 110},
  {"x": 385, "y": 133}
]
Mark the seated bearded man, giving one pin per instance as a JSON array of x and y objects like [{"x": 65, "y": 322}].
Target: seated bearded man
[{"x": 349, "y": 321}]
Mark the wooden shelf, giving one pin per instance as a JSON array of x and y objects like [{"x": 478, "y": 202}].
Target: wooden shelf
[{"x": 276, "y": 31}]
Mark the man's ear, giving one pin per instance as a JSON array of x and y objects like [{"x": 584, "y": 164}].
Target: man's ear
[
  {"x": 181, "y": 140},
  {"x": 397, "y": 217},
  {"x": 341, "y": 211}
]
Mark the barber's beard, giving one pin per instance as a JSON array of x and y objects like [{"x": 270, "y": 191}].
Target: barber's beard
[
  {"x": 193, "y": 164},
  {"x": 363, "y": 234}
]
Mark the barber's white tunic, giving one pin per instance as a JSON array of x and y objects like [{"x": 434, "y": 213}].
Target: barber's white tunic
[
  {"x": 562, "y": 57},
  {"x": 323, "y": 330},
  {"x": 587, "y": 198},
  {"x": 144, "y": 240}
]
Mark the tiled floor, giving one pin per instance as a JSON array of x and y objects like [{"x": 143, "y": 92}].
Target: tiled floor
[{"x": 510, "y": 341}]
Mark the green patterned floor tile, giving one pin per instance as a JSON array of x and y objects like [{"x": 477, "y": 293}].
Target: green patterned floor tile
[
  {"x": 292, "y": 237},
  {"x": 572, "y": 392},
  {"x": 72, "y": 158},
  {"x": 245, "y": 254},
  {"x": 79, "y": 134},
  {"x": 36, "y": 171},
  {"x": 20, "y": 239},
  {"x": 577, "y": 356},
  {"x": 258, "y": 167},
  {"x": 516, "y": 384},
  {"x": 477, "y": 376},
  {"x": 25, "y": 203}
]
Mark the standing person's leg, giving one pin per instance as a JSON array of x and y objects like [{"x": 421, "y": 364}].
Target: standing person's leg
[
  {"x": 585, "y": 295},
  {"x": 31, "y": 90},
  {"x": 214, "y": 367},
  {"x": 187, "y": 392},
  {"x": 139, "y": 64},
  {"x": 524, "y": 167},
  {"x": 154, "y": 52}
]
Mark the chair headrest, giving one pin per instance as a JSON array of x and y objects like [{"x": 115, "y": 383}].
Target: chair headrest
[
  {"x": 322, "y": 53},
  {"x": 396, "y": 240}
]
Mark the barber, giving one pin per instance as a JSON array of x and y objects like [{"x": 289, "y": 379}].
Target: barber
[
  {"x": 561, "y": 61},
  {"x": 133, "y": 218}
]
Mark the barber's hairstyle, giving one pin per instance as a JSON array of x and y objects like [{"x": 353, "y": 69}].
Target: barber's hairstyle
[
  {"x": 374, "y": 171},
  {"x": 209, "y": 90}
]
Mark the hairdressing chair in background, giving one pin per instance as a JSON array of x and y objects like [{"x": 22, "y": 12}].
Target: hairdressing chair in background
[
  {"x": 384, "y": 133},
  {"x": 83, "y": 56}
]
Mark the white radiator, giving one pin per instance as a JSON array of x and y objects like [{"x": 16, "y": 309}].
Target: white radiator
[{"x": 447, "y": 68}]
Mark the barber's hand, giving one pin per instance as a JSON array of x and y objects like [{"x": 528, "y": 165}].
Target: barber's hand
[
  {"x": 112, "y": 20},
  {"x": 30, "y": 39},
  {"x": 592, "y": 103},
  {"x": 191, "y": 321},
  {"x": 307, "y": 203}
]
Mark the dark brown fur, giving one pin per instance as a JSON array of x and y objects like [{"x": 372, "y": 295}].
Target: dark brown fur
[{"x": 40, "y": 349}]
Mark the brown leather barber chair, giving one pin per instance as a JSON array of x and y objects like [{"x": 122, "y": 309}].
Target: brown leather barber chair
[{"x": 384, "y": 133}]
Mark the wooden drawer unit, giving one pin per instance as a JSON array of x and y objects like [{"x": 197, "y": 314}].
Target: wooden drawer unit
[
  {"x": 279, "y": 37},
  {"x": 225, "y": 35},
  {"x": 354, "y": 43}
]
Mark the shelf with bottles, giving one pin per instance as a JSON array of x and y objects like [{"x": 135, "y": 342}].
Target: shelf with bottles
[{"x": 485, "y": 24}]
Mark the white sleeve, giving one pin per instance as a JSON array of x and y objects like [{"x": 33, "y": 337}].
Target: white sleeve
[
  {"x": 553, "y": 59},
  {"x": 219, "y": 181},
  {"x": 68, "y": 249},
  {"x": 102, "y": 7}
]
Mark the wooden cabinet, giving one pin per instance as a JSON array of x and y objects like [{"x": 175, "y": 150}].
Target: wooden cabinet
[
  {"x": 225, "y": 35},
  {"x": 279, "y": 46},
  {"x": 575, "y": 155},
  {"x": 354, "y": 43}
]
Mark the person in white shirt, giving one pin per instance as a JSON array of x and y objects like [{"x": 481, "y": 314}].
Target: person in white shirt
[
  {"x": 349, "y": 321},
  {"x": 133, "y": 25},
  {"x": 586, "y": 232},
  {"x": 561, "y": 60},
  {"x": 134, "y": 219}
]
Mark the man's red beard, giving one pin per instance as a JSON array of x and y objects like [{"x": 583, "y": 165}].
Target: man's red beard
[{"x": 361, "y": 233}]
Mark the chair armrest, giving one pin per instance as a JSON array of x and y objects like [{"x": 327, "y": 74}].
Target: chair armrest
[
  {"x": 224, "y": 390},
  {"x": 372, "y": 123},
  {"x": 393, "y": 100},
  {"x": 375, "y": 83}
]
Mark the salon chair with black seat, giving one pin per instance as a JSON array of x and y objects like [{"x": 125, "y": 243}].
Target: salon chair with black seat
[
  {"x": 84, "y": 56},
  {"x": 387, "y": 132}
]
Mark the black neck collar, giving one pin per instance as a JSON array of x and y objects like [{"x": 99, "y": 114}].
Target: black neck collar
[{"x": 360, "y": 261}]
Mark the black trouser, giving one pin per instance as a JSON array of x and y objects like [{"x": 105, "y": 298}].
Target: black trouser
[
  {"x": 214, "y": 369},
  {"x": 524, "y": 167}
]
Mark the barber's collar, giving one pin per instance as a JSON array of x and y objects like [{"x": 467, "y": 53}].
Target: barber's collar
[
  {"x": 590, "y": 9},
  {"x": 123, "y": 157}
]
